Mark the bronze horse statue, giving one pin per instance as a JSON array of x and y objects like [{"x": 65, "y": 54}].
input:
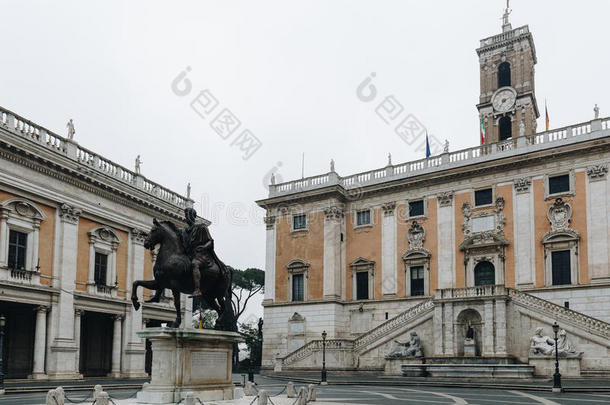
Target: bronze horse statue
[{"x": 173, "y": 270}]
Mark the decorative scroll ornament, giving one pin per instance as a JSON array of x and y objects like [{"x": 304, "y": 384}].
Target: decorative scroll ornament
[
  {"x": 445, "y": 199},
  {"x": 559, "y": 215},
  {"x": 334, "y": 213},
  {"x": 598, "y": 172},
  {"x": 500, "y": 219},
  {"x": 467, "y": 215},
  {"x": 416, "y": 235},
  {"x": 69, "y": 214},
  {"x": 522, "y": 185},
  {"x": 270, "y": 221},
  {"x": 138, "y": 236},
  {"x": 388, "y": 208}
]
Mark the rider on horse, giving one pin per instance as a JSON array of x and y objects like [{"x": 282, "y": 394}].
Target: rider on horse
[{"x": 199, "y": 247}]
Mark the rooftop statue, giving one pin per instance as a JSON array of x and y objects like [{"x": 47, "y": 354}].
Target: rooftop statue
[
  {"x": 186, "y": 263},
  {"x": 71, "y": 131}
]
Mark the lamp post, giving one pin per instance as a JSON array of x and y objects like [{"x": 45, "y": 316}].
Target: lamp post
[
  {"x": 323, "y": 380},
  {"x": 2, "y": 324},
  {"x": 557, "y": 375}
]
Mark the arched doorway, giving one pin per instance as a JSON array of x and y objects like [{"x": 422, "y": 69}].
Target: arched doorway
[
  {"x": 484, "y": 273},
  {"x": 469, "y": 317}
]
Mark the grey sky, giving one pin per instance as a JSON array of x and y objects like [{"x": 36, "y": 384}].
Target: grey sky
[{"x": 288, "y": 70}]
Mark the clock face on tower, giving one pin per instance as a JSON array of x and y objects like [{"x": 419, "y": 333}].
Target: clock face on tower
[{"x": 504, "y": 99}]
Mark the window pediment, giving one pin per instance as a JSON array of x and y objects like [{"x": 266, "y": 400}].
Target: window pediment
[
  {"x": 23, "y": 208},
  {"x": 362, "y": 264},
  {"x": 104, "y": 234},
  {"x": 416, "y": 254},
  {"x": 297, "y": 266},
  {"x": 564, "y": 235},
  {"x": 483, "y": 239}
]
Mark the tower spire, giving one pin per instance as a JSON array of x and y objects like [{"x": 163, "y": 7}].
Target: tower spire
[{"x": 505, "y": 23}]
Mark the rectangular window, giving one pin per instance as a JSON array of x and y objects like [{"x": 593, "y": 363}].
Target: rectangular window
[
  {"x": 417, "y": 280},
  {"x": 559, "y": 184},
  {"x": 101, "y": 268},
  {"x": 560, "y": 262},
  {"x": 363, "y": 217},
  {"x": 416, "y": 208},
  {"x": 298, "y": 287},
  {"x": 299, "y": 222},
  {"x": 362, "y": 285},
  {"x": 483, "y": 197},
  {"x": 17, "y": 247}
]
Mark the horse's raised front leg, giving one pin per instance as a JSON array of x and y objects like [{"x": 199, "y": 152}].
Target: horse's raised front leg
[
  {"x": 150, "y": 284},
  {"x": 178, "y": 320},
  {"x": 156, "y": 297}
]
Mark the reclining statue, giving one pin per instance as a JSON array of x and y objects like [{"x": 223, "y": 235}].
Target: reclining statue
[
  {"x": 412, "y": 348},
  {"x": 541, "y": 344}
]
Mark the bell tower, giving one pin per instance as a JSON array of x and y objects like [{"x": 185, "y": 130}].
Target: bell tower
[{"x": 507, "y": 104}]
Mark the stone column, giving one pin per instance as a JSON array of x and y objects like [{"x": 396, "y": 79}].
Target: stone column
[
  {"x": 115, "y": 370},
  {"x": 597, "y": 224},
  {"x": 3, "y": 236},
  {"x": 40, "y": 343},
  {"x": 62, "y": 350},
  {"x": 500, "y": 327},
  {"x": 78, "y": 314},
  {"x": 438, "y": 329},
  {"x": 388, "y": 250},
  {"x": 488, "y": 329},
  {"x": 525, "y": 266},
  {"x": 332, "y": 252},
  {"x": 35, "y": 242},
  {"x": 270, "y": 259},
  {"x": 449, "y": 335},
  {"x": 446, "y": 237}
]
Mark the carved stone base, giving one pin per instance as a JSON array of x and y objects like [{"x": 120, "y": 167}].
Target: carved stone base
[
  {"x": 189, "y": 360},
  {"x": 470, "y": 349},
  {"x": 412, "y": 366},
  {"x": 545, "y": 366}
]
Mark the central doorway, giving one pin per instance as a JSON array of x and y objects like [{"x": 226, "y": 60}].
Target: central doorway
[
  {"x": 96, "y": 344},
  {"x": 18, "y": 348},
  {"x": 484, "y": 274}
]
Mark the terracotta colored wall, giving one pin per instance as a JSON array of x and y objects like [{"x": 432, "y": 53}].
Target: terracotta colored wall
[
  {"x": 307, "y": 246},
  {"x": 509, "y": 264},
  {"x": 46, "y": 239},
  {"x": 460, "y": 275},
  {"x": 148, "y": 271},
  {"x": 578, "y": 222},
  {"x": 82, "y": 255},
  {"x": 363, "y": 242},
  {"x": 430, "y": 225}
]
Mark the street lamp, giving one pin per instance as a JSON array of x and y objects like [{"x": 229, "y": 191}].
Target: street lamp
[
  {"x": 557, "y": 375},
  {"x": 2, "y": 324},
  {"x": 323, "y": 381}
]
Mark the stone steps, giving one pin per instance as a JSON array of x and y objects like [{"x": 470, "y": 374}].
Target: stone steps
[{"x": 470, "y": 370}]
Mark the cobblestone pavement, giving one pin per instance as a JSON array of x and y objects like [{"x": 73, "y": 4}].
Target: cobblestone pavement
[{"x": 371, "y": 395}]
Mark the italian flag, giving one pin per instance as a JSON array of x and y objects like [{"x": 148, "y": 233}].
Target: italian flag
[
  {"x": 546, "y": 111},
  {"x": 482, "y": 131}
]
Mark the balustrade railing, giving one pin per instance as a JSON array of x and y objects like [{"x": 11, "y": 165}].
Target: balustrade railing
[
  {"x": 543, "y": 140},
  {"x": 467, "y": 292},
  {"x": 24, "y": 128}
]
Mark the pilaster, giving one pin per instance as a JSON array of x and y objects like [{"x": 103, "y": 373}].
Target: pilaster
[
  {"x": 446, "y": 238},
  {"x": 270, "y": 236},
  {"x": 40, "y": 345},
  {"x": 597, "y": 223},
  {"x": 488, "y": 328},
  {"x": 525, "y": 267},
  {"x": 388, "y": 250},
  {"x": 332, "y": 251}
]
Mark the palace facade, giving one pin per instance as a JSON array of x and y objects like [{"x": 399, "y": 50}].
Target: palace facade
[
  {"x": 72, "y": 228},
  {"x": 505, "y": 237}
]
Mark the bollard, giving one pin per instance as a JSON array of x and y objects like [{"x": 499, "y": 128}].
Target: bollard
[
  {"x": 238, "y": 393},
  {"x": 190, "y": 399},
  {"x": 249, "y": 389},
  {"x": 102, "y": 399},
  {"x": 262, "y": 397},
  {"x": 302, "y": 396},
  {"x": 290, "y": 391},
  {"x": 312, "y": 393},
  {"x": 96, "y": 391}
]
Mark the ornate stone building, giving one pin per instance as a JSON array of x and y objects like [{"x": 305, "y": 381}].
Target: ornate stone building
[
  {"x": 72, "y": 227},
  {"x": 491, "y": 241}
]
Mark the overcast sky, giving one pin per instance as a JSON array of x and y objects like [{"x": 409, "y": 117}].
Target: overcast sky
[{"x": 288, "y": 71}]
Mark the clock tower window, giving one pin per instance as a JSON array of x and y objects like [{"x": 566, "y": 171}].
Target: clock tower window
[
  {"x": 505, "y": 128},
  {"x": 504, "y": 74}
]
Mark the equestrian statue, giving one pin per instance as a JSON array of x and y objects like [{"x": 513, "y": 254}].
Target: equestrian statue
[{"x": 186, "y": 263}]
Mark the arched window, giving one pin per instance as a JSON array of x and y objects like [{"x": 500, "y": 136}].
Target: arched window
[
  {"x": 505, "y": 128},
  {"x": 504, "y": 74},
  {"x": 484, "y": 274}
]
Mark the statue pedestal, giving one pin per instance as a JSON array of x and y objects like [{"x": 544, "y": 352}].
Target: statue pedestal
[
  {"x": 407, "y": 366},
  {"x": 545, "y": 365},
  {"x": 470, "y": 349},
  {"x": 189, "y": 360}
]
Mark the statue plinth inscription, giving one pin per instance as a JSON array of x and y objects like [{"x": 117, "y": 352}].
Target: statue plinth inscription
[{"x": 189, "y": 360}]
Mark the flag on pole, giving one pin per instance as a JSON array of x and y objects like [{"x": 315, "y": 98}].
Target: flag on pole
[
  {"x": 427, "y": 146},
  {"x": 546, "y": 111},
  {"x": 482, "y": 131}
]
